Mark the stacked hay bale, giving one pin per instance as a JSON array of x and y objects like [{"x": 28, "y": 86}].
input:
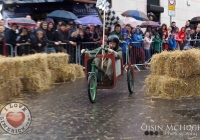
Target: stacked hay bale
[
  {"x": 10, "y": 84},
  {"x": 35, "y": 73},
  {"x": 36, "y": 76},
  {"x": 174, "y": 74},
  {"x": 61, "y": 70}
]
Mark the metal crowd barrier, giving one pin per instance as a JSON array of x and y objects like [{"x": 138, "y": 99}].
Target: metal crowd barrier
[
  {"x": 139, "y": 56},
  {"x": 84, "y": 45},
  {"x": 9, "y": 50}
]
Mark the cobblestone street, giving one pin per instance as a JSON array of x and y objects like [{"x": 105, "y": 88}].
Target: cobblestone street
[{"x": 65, "y": 113}]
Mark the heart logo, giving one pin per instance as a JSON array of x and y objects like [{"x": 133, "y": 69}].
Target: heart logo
[{"x": 15, "y": 119}]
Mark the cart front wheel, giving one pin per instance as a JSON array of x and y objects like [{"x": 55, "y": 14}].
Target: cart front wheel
[
  {"x": 130, "y": 80},
  {"x": 92, "y": 88}
]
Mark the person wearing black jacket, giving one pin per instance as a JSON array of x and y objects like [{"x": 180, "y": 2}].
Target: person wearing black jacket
[
  {"x": 43, "y": 28},
  {"x": 52, "y": 36},
  {"x": 23, "y": 40}
]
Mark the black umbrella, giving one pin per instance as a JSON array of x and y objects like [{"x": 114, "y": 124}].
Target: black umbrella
[
  {"x": 62, "y": 15},
  {"x": 195, "y": 20}
]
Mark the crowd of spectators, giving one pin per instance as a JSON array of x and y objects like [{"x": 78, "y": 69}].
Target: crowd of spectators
[{"x": 143, "y": 43}]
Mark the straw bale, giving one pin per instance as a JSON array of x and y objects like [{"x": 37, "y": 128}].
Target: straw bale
[
  {"x": 66, "y": 73},
  {"x": 11, "y": 88},
  {"x": 78, "y": 70},
  {"x": 158, "y": 62},
  {"x": 57, "y": 60},
  {"x": 37, "y": 82},
  {"x": 163, "y": 86}
]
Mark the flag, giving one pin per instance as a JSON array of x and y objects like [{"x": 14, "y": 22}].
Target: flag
[{"x": 111, "y": 18}]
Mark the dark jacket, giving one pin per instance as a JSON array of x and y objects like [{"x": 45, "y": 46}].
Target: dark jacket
[
  {"x": 44, "y": 34},
  {"x": 63, "y": 36},
  {"x": 51, "y": 34},
  {"x": 11, "y": 37},
  {"x": 23, "y": 39},
  {"x": 87, "y": 37},
  {"x": 118, "y": 34}
]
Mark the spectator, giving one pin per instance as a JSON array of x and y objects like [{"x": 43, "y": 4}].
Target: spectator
[
  {"x": 164, "y": 30},
  {"x": 107, "y": 31},
  {"x": 147, "y": 44},
  {"x": 72, "y": 28},
  {"x": 23, "y": 38},
  {"x": 105, "y": 40},
  {"x": 58, "y": 25},
  {"x": 187, "y": 45},
  {"x": 138, "y": 52},
  {"x": 96, "y": 35},
  {"x": 187, "y": 24},
  {"x": 182, "y": 36},
  {"x": 79, "y": 27},
  {"x": 2, "y": 23},
  {"x": 132, "y": 31},
  {"x": 2, "y": 30},
  {"x": 157, "y": 43},
  {"x": 176, "y": 36},
  {"x": 88, "y": 35},
  {"x": 173, "y": 26},
  {"x": 149, "y": 30},
  {"x": 169, "y": 31},
  {"x": 11, "y": 35},
  {"x": 52, "y": 36},
  {"x": 157, "y": 31},
  {"x": 117, "y": 31},
  {"x": 127, "y": 30},
  {"x": 192, "y": 35},
  {"x": 164, "y": 36},
  {"x": 43, "y": 28},
  {"x": 197, "y": 37},
  {"x": 7, "y": 26},
  {"x": 2, "y": 46},
  {"x": 40, "y": 41},
  {"x": 91, "y": 29},
  {"x": 126, "y": 42},
  {"x": 172, "y": 42}
]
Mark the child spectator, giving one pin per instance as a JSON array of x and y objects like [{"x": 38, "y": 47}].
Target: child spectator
[
  {"x": 105, "y": 39},
  {"x": 125, "y": 43},
  {"x": 172, "y": 42},
  {"x": 147, "y": 42},
  {"x": 182, "y": 36},
  {"x": 157, "y": 43},
  {"x": 165, "y": 42},
  {"x": 187, "y": 45},
  {"x": 40, "y": 42}
]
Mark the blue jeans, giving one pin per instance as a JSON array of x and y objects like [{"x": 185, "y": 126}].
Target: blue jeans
[
  {"x": 50, "y": 50},
  {"x": 147, "y": 54}
]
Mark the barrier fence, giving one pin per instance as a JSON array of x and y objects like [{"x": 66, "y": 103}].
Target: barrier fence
[{"x": 136, "y": 53}]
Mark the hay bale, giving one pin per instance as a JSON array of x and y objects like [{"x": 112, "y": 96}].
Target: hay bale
[
  {"x": 177, "y": 63},
  {"x": 162, "y": 86},
  {"x": 57, "y": 60},
  {"x": 158, "y": 62},
  {"x": 78, "y": 70},
  {"x": 11, "y": 88},
  {"x": 66, "y": 73},
  {"x": 37, "y": 82}
]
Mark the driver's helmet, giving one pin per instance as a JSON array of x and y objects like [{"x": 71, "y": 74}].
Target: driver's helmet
[{"x": 113, "y": 38}]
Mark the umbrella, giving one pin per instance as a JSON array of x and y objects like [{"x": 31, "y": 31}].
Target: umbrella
[
  {"x": 111, "y": 19},
  {"x": 23, "y": 22},
  {"x": 89, "y": 20},
  {"x": 131, "y": 21},
  {"x": 62, "y": 15},
  {"x": 149, "y": 23},
  {"x": 135, "y": 14},
  {"x": 195, "y": 20}
]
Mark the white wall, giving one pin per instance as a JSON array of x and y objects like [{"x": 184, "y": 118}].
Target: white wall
[{"x": 183, "y": 12}]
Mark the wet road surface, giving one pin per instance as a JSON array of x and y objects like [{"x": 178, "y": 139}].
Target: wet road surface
[{"x": 65, "y": 113}]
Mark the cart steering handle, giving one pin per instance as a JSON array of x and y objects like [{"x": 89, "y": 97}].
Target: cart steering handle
[{"x": 95, "y": 52}]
